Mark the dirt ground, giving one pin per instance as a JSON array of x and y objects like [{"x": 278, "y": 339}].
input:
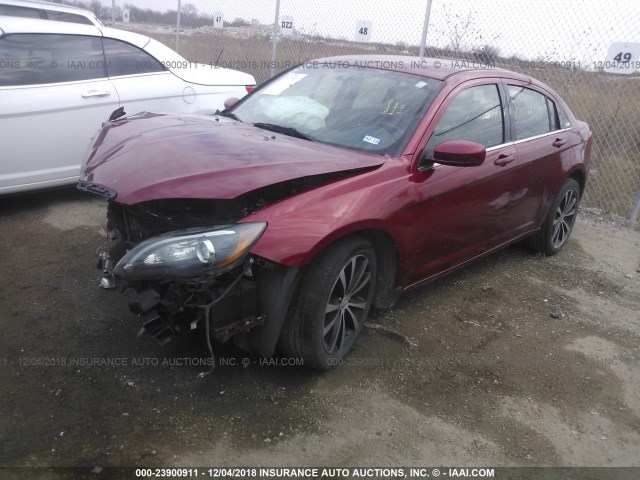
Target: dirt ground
[{"x": 516, "y": 360}]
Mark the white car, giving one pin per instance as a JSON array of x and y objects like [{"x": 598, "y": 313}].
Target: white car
[
  {"x": 60, "y": 81},
  {"x": 48, "y": 11}
]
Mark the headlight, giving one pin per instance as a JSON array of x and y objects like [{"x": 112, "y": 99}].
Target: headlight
[{"x": 190, "y": 253}]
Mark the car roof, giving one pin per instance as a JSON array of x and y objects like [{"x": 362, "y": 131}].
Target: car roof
[
  {"x": 30, "y": 25},
  {"x": 426, "y": 66}
]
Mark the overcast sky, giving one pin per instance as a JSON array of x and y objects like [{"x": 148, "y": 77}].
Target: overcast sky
[{"x": 559, "y": 29}]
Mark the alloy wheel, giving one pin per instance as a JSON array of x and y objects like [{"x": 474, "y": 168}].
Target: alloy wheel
[
  {"x": 347, "y": 304},
  {"x": 564, "y": 218}
]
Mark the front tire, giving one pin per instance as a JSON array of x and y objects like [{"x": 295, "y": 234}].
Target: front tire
[
  {"x": 558, "y": 225},
  {"x": 332, "y": 304}
]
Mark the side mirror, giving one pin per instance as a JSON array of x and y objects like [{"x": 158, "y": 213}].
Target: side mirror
[
  {"x": 230, "y": 102},
  {"x": 460, "y": 153}
]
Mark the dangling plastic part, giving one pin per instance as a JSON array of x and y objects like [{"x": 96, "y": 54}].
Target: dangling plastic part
[
  {"x": 207, "y": 319},
  {"x": 207, "y": 327}
]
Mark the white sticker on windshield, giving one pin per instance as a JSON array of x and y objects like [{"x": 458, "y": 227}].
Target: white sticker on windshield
[
  {"x": 420, "y": 84},
  {"x": 279, "y": 86},
  {"x": 370, "y": 139}
]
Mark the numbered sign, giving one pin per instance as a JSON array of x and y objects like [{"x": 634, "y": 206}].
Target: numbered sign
[
  {"x": 125, "y": 15},
  {"x": 218, "y": 20},
  {"x": 286, "y": 25},
  {"x": 623, "y": 58},
  {"x": 363, "y": 31}
]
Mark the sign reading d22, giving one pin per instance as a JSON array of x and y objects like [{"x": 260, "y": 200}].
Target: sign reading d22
[
  {"x": 286, "y": 25},
  {"x": 125, "y": 15},
  {"x": 363, "y": 31},
  {"x": 623, "y": 58}
]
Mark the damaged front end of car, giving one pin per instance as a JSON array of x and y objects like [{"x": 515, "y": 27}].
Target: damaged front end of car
[
  {"x": 186, "y": 264},
  {"x": 174, "y": 278},
  {"x": 180, "y": 233},
  {"x": 181, "y": 276}
]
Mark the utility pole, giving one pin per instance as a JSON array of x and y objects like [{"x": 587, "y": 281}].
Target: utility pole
[
  {"x": 178, "y": 27},
  {"x": 425, "y": 28},
  {"x": 274, "y": 38},
  {"x": 113, "y": 12}
]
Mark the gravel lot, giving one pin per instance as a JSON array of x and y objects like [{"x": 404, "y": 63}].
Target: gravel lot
[{"x": 516, "y": 360}]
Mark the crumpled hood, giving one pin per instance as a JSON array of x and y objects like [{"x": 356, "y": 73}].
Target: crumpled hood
[{"x": 151, "y": 156}]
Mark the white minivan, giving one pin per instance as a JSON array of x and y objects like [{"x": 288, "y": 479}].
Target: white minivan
[{"x": 60, "y": 81}]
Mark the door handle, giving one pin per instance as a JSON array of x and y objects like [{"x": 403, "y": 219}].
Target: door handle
[
  {"x": 559, "y": 142},
  {"x": 96, "y": 93},
  {"x": 503, "y": 160}
]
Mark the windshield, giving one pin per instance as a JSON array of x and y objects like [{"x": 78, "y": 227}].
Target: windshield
[{"x": 363, "y": 109}]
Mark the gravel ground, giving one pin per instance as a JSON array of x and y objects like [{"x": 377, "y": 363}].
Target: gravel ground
[{"x": 515, "y": 360}]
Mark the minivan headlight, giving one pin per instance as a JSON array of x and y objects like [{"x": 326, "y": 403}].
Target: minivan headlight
[{"x": 190, "y": 253}]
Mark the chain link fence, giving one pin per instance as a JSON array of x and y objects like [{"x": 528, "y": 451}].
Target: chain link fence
[{"x": 565, "y": 44}]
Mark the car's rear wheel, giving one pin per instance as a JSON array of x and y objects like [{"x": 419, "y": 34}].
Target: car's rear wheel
[
  {"x": 557, "y": 227},
  {"x": 332, "y": 304}
]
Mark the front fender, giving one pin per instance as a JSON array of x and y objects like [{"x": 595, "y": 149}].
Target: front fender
[{"x": 301, "y": 226}]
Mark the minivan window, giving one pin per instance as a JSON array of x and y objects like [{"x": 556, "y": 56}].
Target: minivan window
[
  {"x": 15, "y": 11},
  {"x": 41, "y": 58},
  {"x": 126, "y": 59},
  {"x": 532, "y": 112},
  {"x": 67, "y": 17}
]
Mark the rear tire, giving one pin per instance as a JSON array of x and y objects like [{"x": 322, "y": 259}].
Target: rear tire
[
  {"x": 558, "y": 225},
  {"x": 332, "y": 304}
]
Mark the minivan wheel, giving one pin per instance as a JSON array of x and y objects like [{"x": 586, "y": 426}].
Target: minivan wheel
[
  {"x": 332, "y": 304},
  {"x": 557, "y": 227}
]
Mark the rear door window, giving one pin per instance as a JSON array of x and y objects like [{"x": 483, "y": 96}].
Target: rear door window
[
  {"x": 532, "y": 113},
  {"x": 126, "y": 59}
]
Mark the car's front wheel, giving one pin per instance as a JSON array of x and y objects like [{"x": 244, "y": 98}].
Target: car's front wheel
[
  {"x": 558, "y": 224},
  {"x": 332, "y": 304}
]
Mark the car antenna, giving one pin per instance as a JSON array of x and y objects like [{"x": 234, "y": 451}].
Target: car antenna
[{"x": 216, "y": 62}]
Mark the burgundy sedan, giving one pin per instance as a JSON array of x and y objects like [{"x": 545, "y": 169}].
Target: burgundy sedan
[{"x": 329, "y": 190}]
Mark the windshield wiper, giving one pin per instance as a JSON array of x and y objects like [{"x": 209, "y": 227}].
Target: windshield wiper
[
  {"x": 290, "y": 131},
  {"x": 224, "y": 113}
]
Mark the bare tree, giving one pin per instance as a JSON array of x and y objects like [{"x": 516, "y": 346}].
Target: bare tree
[
  {"x": 460, "y": 29},
  {"x": 97, "y": 8},
  {"x": 189, "y": 10},
  {"x": 486, "y": 54}
]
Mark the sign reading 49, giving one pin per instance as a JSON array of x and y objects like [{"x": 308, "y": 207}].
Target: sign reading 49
[{"x": 622, "y": 58}]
